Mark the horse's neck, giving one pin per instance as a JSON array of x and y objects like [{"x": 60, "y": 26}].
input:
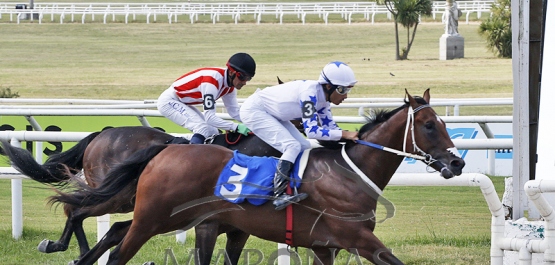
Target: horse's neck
[{"x": 380, "y": 165}]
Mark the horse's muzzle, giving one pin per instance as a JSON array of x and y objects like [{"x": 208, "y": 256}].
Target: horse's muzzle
[{"x": 454, "y": 168}]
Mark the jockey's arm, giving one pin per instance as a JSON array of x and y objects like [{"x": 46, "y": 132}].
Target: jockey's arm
[
  {"x": 231, "y": 105},
  {"x": 209, "y": 107}
]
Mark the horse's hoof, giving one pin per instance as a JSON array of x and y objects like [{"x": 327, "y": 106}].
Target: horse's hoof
[
  {"x": 43, "y": 246},
  {"x": 149, "y": 263},
  {"x": 73, "y": 262}
]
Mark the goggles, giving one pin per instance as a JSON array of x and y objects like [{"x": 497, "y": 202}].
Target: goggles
[
  {"x": 342, "y": 90},
  {"x": 243, "y": 76}
]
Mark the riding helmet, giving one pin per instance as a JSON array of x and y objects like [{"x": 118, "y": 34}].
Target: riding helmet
[
  {"x": 338, "y": 74},
  {"x": 242, "y": 62}
]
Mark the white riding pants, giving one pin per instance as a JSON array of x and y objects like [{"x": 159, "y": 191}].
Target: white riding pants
[
  {"x": 282, "y": 135},
  {"x": 186, "y": 116}
]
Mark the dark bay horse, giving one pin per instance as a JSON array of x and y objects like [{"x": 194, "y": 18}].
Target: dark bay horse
[
  {"x": 175, "y": 188},
  {"x": 99, "y": 152}
]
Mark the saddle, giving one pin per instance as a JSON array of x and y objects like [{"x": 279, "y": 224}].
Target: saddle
[{"x": 226, "y": 139}]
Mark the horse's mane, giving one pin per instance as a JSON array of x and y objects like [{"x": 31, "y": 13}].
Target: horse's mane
[{"x": 373, "y": 118}]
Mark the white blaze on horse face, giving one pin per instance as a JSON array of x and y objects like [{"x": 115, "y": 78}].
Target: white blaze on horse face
[
  {"x": 454, "y": 151},
  {"x": 439, "y": 119}
]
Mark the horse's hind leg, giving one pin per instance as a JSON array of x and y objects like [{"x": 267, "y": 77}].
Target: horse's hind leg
[
  {"x": 113, "y": 237},
  {"x": 74, "y": 223},
  {"x": 236, "y": 241}
]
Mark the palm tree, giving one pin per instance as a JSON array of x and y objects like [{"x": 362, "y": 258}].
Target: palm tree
[
  {"x": 497, "y": 29},
  {"x": 407, "y": 12}
]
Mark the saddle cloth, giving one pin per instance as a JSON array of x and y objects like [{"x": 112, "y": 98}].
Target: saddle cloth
[{"x": 251, "y": 178}]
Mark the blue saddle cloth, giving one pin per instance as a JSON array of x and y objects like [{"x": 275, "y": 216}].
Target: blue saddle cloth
[{"x": 251, "y": 178}]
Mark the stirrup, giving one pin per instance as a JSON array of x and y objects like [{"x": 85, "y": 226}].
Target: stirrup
[{"x": 284, "y": 200}]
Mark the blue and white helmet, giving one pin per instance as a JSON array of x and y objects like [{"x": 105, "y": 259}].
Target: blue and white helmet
[{"x": 338, "y": 74}]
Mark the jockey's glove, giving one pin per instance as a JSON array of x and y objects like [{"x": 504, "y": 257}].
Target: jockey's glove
[{"x": 242, "y": 129}]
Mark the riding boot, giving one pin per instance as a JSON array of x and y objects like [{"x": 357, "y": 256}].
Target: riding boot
[
  {"x": 281, "y": 200},
  {"x": 197, "y": 139}
]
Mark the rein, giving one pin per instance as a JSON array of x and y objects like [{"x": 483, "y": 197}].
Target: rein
[{"x": 231, "y": 142}]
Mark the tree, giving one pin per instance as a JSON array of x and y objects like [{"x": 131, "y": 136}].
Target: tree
[
  {"x": 497, "y": 29},
  {"x": 407, "y": 13}
]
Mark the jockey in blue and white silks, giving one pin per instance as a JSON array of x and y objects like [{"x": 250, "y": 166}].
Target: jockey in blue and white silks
[{"x": 268, "y": 113}]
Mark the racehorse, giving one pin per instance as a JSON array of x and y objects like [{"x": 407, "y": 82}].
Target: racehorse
[
  {"x": 175, "y": 188},
  {"x": 99, "y": 152}
]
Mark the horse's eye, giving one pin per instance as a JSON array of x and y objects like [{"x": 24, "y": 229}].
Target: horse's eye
[{"x": 429, "y": 125}]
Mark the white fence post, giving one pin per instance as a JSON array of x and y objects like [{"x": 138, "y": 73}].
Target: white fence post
[
  {"x": 17, "y": 202},
  {"x": 283, "y": 254},
  {"x": 102, "y": 227},
  {"x": 181, "y": 236}
]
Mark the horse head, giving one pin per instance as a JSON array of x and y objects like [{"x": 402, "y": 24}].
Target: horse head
[{"x": 428, "y": 137}]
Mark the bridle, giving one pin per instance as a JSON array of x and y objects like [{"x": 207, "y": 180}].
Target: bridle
[{"x": 422, "y": 156}]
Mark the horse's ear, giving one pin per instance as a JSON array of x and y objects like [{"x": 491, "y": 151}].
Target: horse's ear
[
  {"x": 427, "y": 95},
  {"x": 411, "y": 100},
  {"x": 279, "y": 80}
]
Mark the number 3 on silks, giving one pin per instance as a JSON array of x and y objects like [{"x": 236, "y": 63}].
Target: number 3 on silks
[
  {"x": 235, "y": 181},
  {"x": 308, "y": 109},
  {"x": 209, "y": 102}
]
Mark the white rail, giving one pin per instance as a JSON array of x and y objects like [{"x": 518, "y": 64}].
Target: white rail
[{"x": 215, "y": 10}]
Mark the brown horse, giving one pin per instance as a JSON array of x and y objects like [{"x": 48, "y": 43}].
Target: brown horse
[
  {"x": 175, "y": 188},
  {"x": 99, "y": 152}
]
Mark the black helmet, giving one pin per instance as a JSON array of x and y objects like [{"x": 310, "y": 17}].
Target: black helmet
[{"x": 242, "y": 62}]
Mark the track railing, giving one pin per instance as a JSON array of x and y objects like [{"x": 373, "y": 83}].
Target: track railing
[{"x": 215, "y": 10}]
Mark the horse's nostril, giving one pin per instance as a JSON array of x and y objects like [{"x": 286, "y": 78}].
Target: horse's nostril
[{"x": 457, "y": 163}]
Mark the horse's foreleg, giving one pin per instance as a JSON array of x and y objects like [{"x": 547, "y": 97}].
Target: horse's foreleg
[
  {"x": 236, "y": 241},
  {"x": 113, "y": 237},
  {"x": 324, "y": 256},
  {"x": 381, "y": 256},
  {"x": 375, "y": 251},
  {"x": 206, "y": 234}
]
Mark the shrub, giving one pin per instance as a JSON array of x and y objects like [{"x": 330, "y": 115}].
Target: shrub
[{"x": 6, "y": 92}]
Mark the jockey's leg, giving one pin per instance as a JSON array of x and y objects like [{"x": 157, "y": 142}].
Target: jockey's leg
[
  {"x": 281, "y": 135},
  {"x": 281, "y": 177},
  {"x": 197, "y": 138},
  {"x": 281, "y": 180}
]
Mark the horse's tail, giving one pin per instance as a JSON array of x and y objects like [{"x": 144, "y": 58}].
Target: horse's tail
[
  {"x": 55, "y": 169},
  {"x": 119, "y": 177}
]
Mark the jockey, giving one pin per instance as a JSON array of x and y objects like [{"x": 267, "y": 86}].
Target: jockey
[
  {"x": 204, "y": 86},
  {"x": 268, "y": 113}
]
